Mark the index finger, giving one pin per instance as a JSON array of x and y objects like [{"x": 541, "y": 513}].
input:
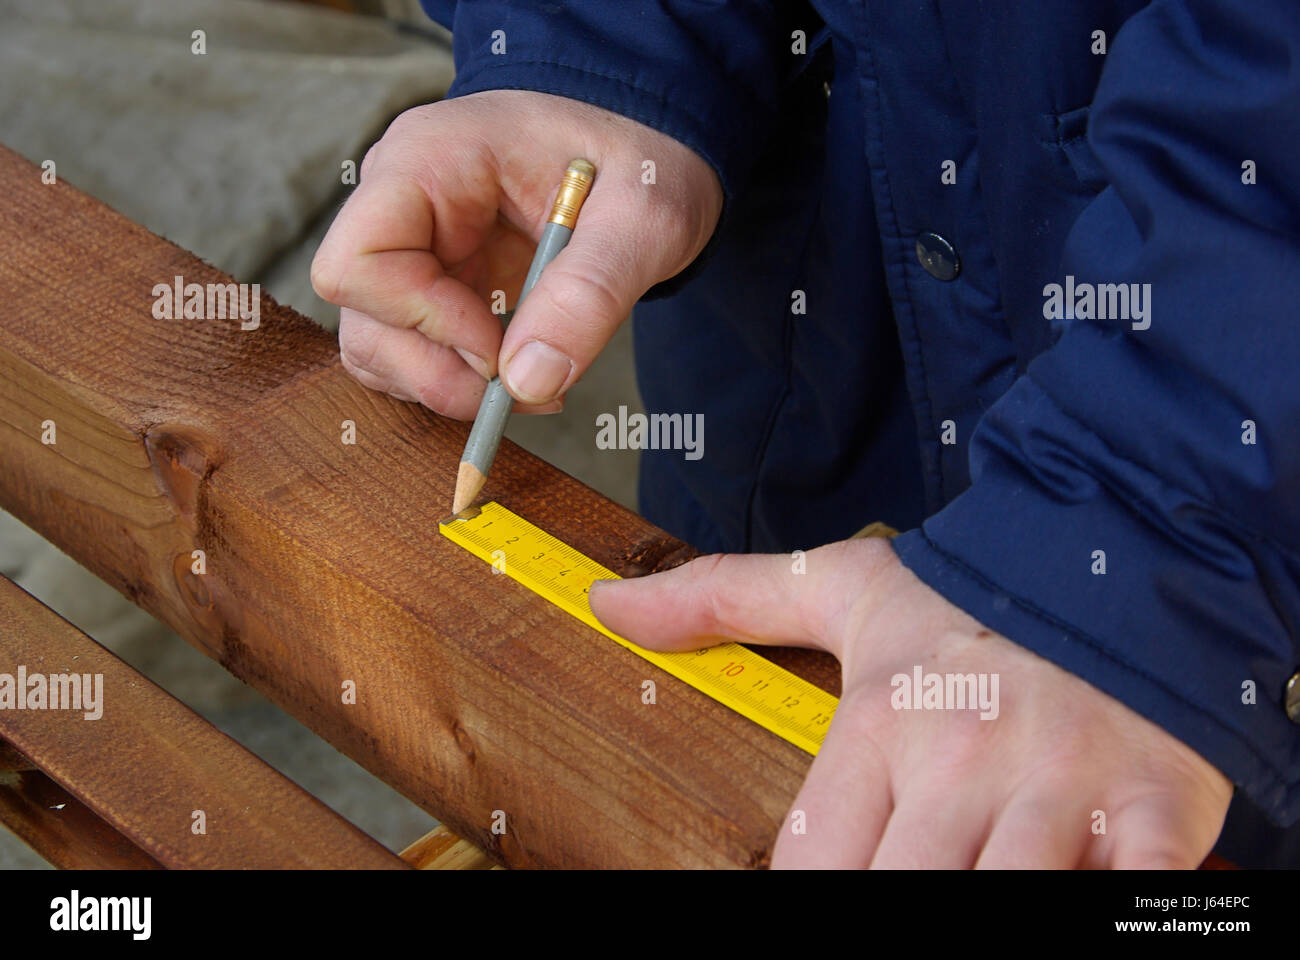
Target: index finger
[{"x": 378, "y": 259}]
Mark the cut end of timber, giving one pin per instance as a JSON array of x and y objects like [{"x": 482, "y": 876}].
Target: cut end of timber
[{"x": 469, "y": 481}]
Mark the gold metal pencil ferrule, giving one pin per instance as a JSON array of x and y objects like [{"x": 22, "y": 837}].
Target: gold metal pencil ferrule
[{"x": 573, "y": 191}]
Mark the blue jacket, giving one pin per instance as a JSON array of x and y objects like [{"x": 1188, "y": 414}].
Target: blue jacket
[{"x": 931, "y": 381}]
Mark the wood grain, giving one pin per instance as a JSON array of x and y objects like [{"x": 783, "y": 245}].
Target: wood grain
[
  {"x": 440, "y": 849},
  {"x": 145, "y": 765},
  {"x": 62, "y": 829},
  {"x": 324, "y": 565}
]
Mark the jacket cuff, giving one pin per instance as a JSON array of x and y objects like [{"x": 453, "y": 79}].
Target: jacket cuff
[{"x": 1174, "y": 628}]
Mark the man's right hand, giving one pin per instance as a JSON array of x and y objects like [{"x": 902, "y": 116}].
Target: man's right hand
[{"x": 451, "y": 203}]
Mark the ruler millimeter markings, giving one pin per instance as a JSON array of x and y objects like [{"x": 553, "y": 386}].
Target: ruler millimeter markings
[{"x": 735, "y": 676}]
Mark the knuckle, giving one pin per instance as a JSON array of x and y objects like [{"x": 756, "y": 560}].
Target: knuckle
[
  {"x": 967, "y": 742},
  {"x": 370, "y": 159},
  {"x": 435, "y": 395},
  {"x": 325, "y": 279},
  {"x": 401, "y": 124},
  {"x": 709, "y": 575},
  {"x": 579, "y": 299},
  {"x": 428, "y": 142},
  {"x": 359, "y": 344},
  {"x": 1068, "y": 749}
]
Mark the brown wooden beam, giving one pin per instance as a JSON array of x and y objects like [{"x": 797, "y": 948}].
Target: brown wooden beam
[
  {"x": 13, "y": 761},
  {"x": 173, "y": 786},
  {"x": 325, "y": 571},
  {"x": 440, "y": 849},
  {"x": 62, "y": 829}
]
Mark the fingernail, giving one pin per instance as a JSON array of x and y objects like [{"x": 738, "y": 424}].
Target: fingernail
[
  {"x": 592, "y": 589},
  {"x": 555, "y": 406},
  {"x": 604, "y": 585},
  {"x": 477, "y": 363},
  {"x": 537, "y": 371}
]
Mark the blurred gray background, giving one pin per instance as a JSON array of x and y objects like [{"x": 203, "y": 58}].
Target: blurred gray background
[{"x": 237, "y": 156}]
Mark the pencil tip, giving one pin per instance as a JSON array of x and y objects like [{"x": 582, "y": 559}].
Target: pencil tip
[{"x": 469, "y": 481}]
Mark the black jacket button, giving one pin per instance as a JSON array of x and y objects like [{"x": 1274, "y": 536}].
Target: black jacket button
[{"x": 937, "y": 256}]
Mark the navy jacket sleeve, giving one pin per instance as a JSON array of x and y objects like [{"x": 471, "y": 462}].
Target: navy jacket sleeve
[
  {"x": 708, "y": 73},
  {"x": 1136, "y": 442}
]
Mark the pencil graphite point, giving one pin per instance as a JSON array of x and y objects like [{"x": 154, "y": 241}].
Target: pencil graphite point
[
  {"x": 469, "y": 513},
  {"x": 469, "y": 481}
]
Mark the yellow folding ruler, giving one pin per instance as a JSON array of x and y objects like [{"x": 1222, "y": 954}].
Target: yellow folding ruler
[{"x": 735, "y": 676}]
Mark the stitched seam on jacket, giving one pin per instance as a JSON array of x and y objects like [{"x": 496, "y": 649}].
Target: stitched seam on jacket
[
  {"x": 1058, "y": 122},
  {"x": 787, "y": 337},
  {"x": 866, "y": 49},
  {"x": 788, "y": 330}
]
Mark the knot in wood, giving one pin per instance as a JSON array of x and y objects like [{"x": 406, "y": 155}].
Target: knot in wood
[{"x": 183, "y": 459}]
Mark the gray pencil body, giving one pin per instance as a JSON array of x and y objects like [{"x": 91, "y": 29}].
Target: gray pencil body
[
  {"x": 490, "y": 424},
  {"x": 494, "y": 411}
]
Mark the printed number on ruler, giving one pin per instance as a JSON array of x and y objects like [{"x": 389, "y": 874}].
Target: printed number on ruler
[{"x": 735, "y": 676}]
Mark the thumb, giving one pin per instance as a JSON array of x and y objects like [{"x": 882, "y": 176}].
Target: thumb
[
  {"x": 749, "y": 598},
  {"x": 583, "y": 296}
]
